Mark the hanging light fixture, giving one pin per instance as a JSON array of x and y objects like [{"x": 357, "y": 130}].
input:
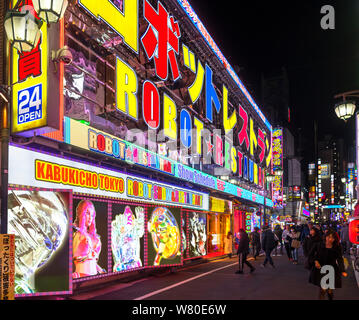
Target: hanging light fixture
[
  {"x": 51, "y": 11},
  {"x": 22, "y": 29},
  {"x": 345, "y": 110}
]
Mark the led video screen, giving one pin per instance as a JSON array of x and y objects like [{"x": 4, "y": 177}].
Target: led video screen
[
  {"x": 40, "y": 221},
  {"x": 127, "y": 237},
  {"x": 197, "y": 230},
  {"x": 164, "y": 236},
  {"x": 90, "y": 232}
]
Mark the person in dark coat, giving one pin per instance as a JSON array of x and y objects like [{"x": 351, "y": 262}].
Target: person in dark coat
[
  {"x": 268, "y": 245},
  {"x": 255, "y": 240},
  {"x": 328, "y": 253},
  {"x": 309, "y": 242},
  {"x": 278, "y": 232},
  {"x": 243, "y": 250}
]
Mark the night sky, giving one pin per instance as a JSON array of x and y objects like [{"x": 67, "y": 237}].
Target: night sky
[{"x": 263, "y": 36}]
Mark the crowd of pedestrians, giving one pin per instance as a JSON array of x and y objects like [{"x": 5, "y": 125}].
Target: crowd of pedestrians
[{"x": 321, "y": 245}]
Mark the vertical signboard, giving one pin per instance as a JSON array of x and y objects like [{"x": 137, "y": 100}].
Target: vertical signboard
[
  {"x": 278, "y": 164},
  {"x": 33, "y": 77},
  {"x": 7, "y": 267}
]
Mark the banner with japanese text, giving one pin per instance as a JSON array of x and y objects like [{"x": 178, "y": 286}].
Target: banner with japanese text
[{"x": 7, "y": 267}]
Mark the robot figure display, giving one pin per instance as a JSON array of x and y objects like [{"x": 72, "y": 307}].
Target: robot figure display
[
  {"x": 127, "y": 229},
  {"x": 166, "y": 237}
]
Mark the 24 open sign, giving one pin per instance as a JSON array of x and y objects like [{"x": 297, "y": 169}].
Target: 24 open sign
[{"x": 30, "y": 104}]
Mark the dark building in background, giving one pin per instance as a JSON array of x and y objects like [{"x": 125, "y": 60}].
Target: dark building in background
[
  {"x": 276, "y": 104},
  {"x": 332, "y": 167}
]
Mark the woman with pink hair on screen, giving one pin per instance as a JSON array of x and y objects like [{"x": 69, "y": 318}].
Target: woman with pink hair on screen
[{"x": 86, "y": 241}]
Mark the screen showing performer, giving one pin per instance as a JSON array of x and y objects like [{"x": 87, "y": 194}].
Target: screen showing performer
[{"x": 88, "y": 257}]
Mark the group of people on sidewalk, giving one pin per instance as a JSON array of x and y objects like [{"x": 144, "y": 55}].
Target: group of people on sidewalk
[{"x": 321, "y": 246}]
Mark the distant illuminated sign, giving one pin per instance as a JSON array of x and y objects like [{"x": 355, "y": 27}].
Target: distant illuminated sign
[
  {"x": 333, "y": 207},
  {"x": 325, "y": 171}
]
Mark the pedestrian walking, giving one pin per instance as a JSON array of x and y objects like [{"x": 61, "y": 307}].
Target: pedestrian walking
[
  {"x": 255, "y": 241},
  {"x": 295, "y": 243},
  {"x": 228, "y": 244},
  {"x": 310, "y": 241},
  {"x": 243, "y": 250},
  {"x": 344, "y": 238},
  {"x": 278, "y": 232},
  {"x": 327, "y": 253},
  {"x": 287, "y": 242},
  {"x": 268, "y": 244}
]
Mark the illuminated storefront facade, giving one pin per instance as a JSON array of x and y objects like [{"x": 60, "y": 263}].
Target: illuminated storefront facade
[{"x": 136, "y": 129}]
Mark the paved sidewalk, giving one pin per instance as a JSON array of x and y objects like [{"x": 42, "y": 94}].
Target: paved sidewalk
[{"x": 218, "y": 281}]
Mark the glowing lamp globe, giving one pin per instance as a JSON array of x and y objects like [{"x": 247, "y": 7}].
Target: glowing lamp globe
[
  {"x": 51, "y": 11},
  {"x": 345, "y": 110},
  {"x": 22, "y": 30}
]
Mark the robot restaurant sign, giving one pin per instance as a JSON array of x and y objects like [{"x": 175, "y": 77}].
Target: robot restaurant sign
[
  {"x": 161, "y": 45},
  {"x": 86, "y": 137}
]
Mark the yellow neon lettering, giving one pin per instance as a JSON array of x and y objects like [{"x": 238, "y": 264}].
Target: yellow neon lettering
[
  {"x": 169, "y": 117},
  {"x": 125, "y": 24},
  {"x": 234, "y": 160},
  {"x": 196, "y": 88},
  {"x": 126, "y": 89},
  {"x": 199, "y": 127},
  {"x": 228, "y": 123}
]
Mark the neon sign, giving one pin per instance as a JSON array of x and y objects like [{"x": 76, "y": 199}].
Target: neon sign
[{"x": 278, "y": 163}]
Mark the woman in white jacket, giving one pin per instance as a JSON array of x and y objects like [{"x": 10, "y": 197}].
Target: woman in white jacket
[{"x": 287, "y": 242}]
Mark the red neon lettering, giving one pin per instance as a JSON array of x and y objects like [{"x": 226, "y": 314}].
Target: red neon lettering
[
  {"x": 166, "y": 42},
  {"x": 49, "y": 175},
  {"x": 261, "y": 145},
  {"x": 40, "y": 174},
  {"x": 243, "y": 134},
  {"x": 101, "y": 143},
  {"x": 151, "y": 105}
]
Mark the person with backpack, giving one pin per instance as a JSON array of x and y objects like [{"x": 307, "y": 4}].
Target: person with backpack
[
  {"x": 255, "y": 241},
  {"x": 243, "y": 250},
  {"x": 295, "y": 243},
  {"x": 268, "y": 244}
]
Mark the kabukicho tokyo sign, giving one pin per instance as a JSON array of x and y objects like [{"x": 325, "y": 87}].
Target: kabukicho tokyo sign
[{"x": 48, "y": 171}]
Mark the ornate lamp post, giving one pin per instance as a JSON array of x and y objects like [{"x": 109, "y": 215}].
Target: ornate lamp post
[
  {"x": 22, "y": 29},
  {"x": 344, "y": 111}
]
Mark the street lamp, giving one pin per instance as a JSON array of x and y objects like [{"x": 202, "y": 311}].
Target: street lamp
[
  {"x": 50, "y": 11},
  {"x": 345, "y": 110},
  {"x": 22, "y": 29}
]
